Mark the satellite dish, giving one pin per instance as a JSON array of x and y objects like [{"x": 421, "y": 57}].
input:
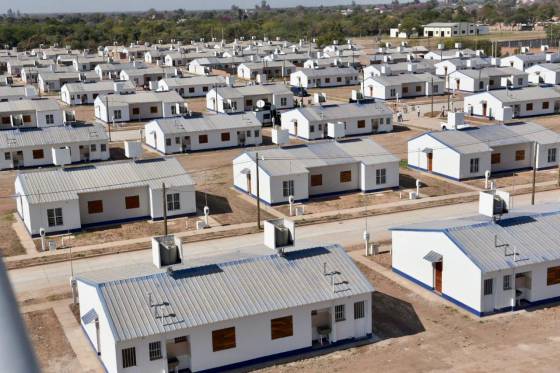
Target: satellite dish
[{"x": 261, "y": 104}]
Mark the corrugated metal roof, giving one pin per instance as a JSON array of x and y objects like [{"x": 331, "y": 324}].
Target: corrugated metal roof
[
  {"x": 195, "y": 80},
  {"x": 525, "y": 94},
  {"x": 300, "y": 158},
  {"x": 19, "y": 138},
  {"x": 534, "y": 234},
  {"x": 433, "y": 257},
  {"x": 101, "y": 86},
  {"x": 207, "y": 123},
  {"x": 460, "y": 141},
  {"x": 39, "y": 104},
  {"x": 389, "y": 80},
  {"x": 330, "y": 71},
  {"x": 345, "y": 111},
  {"x": 225, "y": 291},
  {"x": 62, "y": 184},
  {"x": 143, "y": 97}
]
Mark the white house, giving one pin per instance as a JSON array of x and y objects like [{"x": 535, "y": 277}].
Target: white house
[
  {"x": 87, "y": 62},
  {"x": 36, "y": 112},
  {"x": 239, "y": 99},
  {"x": 53, "y": 81},
  {"x": 426, "y": 66},
  {"x": 226, "y": 313},
  {"x": 324, "y": 77},
  {"x": 85, "y": 93},
  {"x": 547, "y": 73},
  {"x": 110, "y": 71},
  {"x": 197, "y": 86},
  {"x": 9, "y": 93},
  {"x": 32, "y": 147},
  {"x": 402, "y": 86},
  {"x": 316, "y": 169},
  {"x": 517, "y": 103},
  {"x": 454, "y": 29},
  {"x": 65, "y": 199},
  {"x": 470, "y": 152},
  {"x": 143, "y": 77},
  {"x": 448, "y": 54},
  {"x": 523, "y": 61},
  {"x": 446, "y": 67},
  {"x": 142, "y": 105},
  {"x": 313, "y": 122},
  {"x": 487, "y": 78},
  {"x": 180, "y": 135},
  {"x": 481, "y": 265},
  {"x": 271, "y": 69}
]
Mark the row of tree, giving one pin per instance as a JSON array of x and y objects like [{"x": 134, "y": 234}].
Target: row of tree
[{"x": 327, "y": 24}]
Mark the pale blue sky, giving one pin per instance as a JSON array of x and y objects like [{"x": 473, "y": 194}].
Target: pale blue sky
[{"x": 52, "y": 6}]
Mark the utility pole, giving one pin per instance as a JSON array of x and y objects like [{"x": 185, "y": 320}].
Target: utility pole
[
  {"x": 534, "y": 173},
  {"x": 432, "y": 97},
  {"x": 258, "y": 193},
  {"x": 108, "y": 121},
  {"x": 164, "y": 198}
]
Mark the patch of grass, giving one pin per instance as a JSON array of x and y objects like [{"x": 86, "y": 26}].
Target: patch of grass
[{"x": 11, "y": 244}]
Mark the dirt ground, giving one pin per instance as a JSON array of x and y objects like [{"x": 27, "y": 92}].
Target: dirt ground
[
  {"x": 420, "y": 335},
  {"x": 11, "y": 244},
  {"x": 509, "y": 179},
  {"x": 430, "y": 187},
  {"x": 51, "y": 346}
]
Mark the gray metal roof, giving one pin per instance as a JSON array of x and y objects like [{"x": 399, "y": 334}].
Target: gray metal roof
[
  {"x": 524, "y": 94},
  {"x": 253, "y": 90},
  {"x": 62, "y": 184},
  {"x": 225, "y": 291},
  {"x": 192, "y": 81},
  {"x": 300, "y": 158},
  {"x": 489, "y": 72},
  {"x": 143, "y": 97},
  {"x": 433, "y": 257},
  {"x": 104, "y": 85},
  {"x": 461, "y": 142},
  {"x": 344, "y": 111},
  {"x": 391, "y": 80},
  {"x": 330, "y": 71},
  {"x": 21, "y": 138},
  {"x": 534, "y": 234},
  {"x": 38, "y": 104},
  {"x": 180, "y": 125}
]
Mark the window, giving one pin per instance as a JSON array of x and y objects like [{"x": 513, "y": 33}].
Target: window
[
  {"x": 153, "y": 109},
  {"x": 529, "y": 107},
  {"x": 551, "y": 155},
  {"x": 507, "y": 282},
  {"x": 129, "y": 357},
  {"x": 173, "y": 202},
  {"x": 474, "y": 165},
  {"x": 288, "y": 188},
  {"x": 488, "y": 285},
  {"x": 49, "y": 118},
  {"x": 177, "y": 140},
  {"x": 117, "y": 114},
  {"x": 103, "y": 147},
  {"x": 359, "y": 310},
  {"x": 7, "y": 156},
  {"x": 316, "y": 180},
  {"x": 520, "y": 155},
  {"x": 283, "y": 101},
  {"x": 135, "y": 111},
  {"x": 132, "y": 202},
  {"x": 545, "y": 104},
  {"x": 339, "y": 79},
  {"x": 204, "y": 89},
  {"x": 404, "y": 90},
  {"x": 168, "y": 141},
  {"x": 223, "y": 339},
  {"x": 38, "y": 154},
  {"x": 203, "y": 139},
  {"x": 173, "y": 110},
  {"x": 248, "y": 133},
  {"x": 520, "y": 82},
  {"x": 281, "y": 327},
  {"x": 361, "y": 124},
  {"x": 339, "y": 313},
  {"x": 496, "y": 158},
  {"x": 257, "y": 133},
  {"x": 93, "y": 147},
  {"x": 54, "y": 217},
  {"x": 418, "y": 88},
  {"x": 393, "y": 92},
  {"x": 249, "y": 103},
  {"x": 27, "y": 119},
  {"x": 381, "y": 176},
  {"x": 180, "y": 339},
  {"x": 436, "y": 89},
  {"x": 95, "y": 207},
  {"x": 6, "y": 120},
  {"x": 345, "y": 176},
  {"x": 225, "y": 136},
  {"x": 191, "y": 89},
  {"x": 311, "y": 128},
  {"x": 155, "y": 350},
  {"x": 327, "y": 80},
  {"x": 552, "y": 276}
]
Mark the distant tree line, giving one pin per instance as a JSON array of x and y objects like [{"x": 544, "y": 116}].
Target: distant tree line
[{"x": 324, "y": 23}]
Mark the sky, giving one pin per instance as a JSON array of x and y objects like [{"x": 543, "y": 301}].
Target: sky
[{"x": 58, "y": 6}]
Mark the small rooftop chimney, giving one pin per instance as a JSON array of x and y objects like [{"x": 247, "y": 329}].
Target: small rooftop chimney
[
  {"x": 279, "y": 234},
  {"x": 167, "y": 251}
]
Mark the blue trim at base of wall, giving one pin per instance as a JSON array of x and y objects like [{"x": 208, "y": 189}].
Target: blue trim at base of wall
[
  {"x": 477, "y": 177},
  {"x": 108, "y": 223},
  {"x": 203, "y": 150},
  {"x": 286, "y": 354}
]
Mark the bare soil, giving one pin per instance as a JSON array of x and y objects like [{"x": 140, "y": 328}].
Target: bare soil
[
  {"x": 53, "y": 350},
  {"x": 513, "y": 179},
  {"x": 420, "y": 335},
  {"x": 11, "y": 244}
]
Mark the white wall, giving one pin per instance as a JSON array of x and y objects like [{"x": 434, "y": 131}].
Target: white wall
[{"x": 114, "y": 205}]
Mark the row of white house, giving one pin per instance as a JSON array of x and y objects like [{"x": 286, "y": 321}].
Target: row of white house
[{"x": 322, "y": 168}]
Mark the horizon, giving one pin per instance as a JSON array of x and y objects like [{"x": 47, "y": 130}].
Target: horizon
[{"x": 109, "y": 6}]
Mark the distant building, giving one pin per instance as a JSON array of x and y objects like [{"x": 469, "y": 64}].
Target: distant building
[{"x": 454, "y": 29}]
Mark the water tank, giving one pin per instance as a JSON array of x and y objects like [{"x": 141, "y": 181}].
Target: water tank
[{"x": 61, "y": 156}]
